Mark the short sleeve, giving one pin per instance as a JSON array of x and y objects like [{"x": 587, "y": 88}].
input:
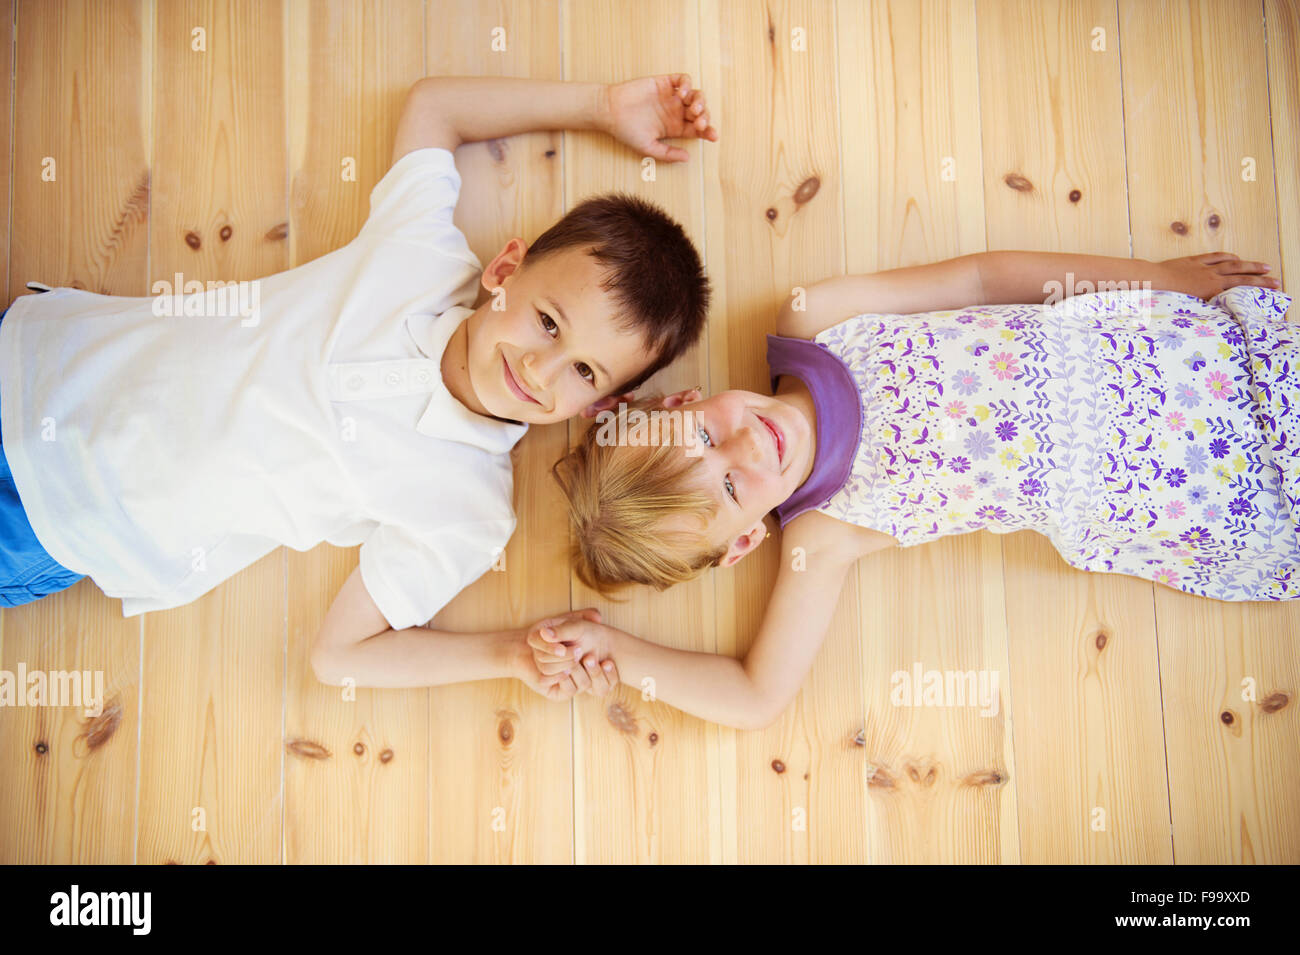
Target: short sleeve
[
  {"x": 416, "y": 198},
  {"x": 410, "y": 577}
]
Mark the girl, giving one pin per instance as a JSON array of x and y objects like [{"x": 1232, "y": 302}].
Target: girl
[{"x": 1149, "y": 433}]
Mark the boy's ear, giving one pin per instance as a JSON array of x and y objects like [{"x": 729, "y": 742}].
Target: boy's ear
[
  {"x": 608, "y": 403},
  {"x": 744, "y": 544},
  {"x": 506, "y": 263}
]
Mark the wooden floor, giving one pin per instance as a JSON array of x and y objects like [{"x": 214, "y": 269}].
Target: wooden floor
[{"x": 1136, "y": 724}]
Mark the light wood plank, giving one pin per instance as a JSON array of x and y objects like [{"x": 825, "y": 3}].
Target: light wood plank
[
  {"x": 1088, "y": 744},
  {"x": 80, "y": 83},
  {"x": 1194, "y": 114},
  {"x": 641, "y": 797},
  {"x": 941, "y": 780},
  {"x": 349, "y": 67},
  {"x": 1282, "y": 28},
  {"x": 513, "y": 745},
  {"x": 213, "y": 680}
]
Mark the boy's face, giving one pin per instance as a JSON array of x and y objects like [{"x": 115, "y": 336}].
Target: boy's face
[{"x": 553, "y": 348}]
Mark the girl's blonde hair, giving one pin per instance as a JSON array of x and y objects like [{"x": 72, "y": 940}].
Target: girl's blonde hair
[{"x": 626, "y": 509}]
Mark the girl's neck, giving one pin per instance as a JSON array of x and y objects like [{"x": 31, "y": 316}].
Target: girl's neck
[{"x": 795, "y": 393}]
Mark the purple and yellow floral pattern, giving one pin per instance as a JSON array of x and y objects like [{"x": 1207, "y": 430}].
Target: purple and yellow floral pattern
[{"x": 1143, "y": 433}]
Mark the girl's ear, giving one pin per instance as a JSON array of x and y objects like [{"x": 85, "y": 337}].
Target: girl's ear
[
  {"x": 608, "y": 403},
  {"x": 745, "y": 544}
]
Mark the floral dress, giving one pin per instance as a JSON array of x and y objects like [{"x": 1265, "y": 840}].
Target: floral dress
[{"x": 1143, "y": 433}]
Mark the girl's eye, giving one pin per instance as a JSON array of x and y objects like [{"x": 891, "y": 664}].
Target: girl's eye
[{"x": 726, "y": 481}]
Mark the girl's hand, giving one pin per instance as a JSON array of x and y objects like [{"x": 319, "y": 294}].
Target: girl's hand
[
  {"x": 1205, "y": 276},
  {"x": 641, "y": 112},
  {"x": 562, "y": 676},
  {"x": 557, "y": 643}
]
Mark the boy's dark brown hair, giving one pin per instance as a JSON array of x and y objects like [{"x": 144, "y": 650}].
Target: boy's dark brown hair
[{"x": 652, "y": 270}]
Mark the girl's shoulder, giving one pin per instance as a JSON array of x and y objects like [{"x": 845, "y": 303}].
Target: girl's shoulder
[{"x": 819, "y": 534}]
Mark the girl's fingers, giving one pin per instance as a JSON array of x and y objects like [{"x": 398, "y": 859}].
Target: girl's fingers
[
  {"x": 1238, "y": 267},
  {"x": 1211, "y": 258}
]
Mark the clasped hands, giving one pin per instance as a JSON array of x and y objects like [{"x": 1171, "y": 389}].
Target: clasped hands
[{"x": 568, "y": 654}]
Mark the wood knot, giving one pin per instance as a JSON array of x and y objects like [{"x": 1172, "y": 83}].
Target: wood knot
[
  {"x": 1179, "y": 228},
  {"x": 807, "y": 189},
  {"x": 771, "y": 32},
  {"x": 1075, "y": 195},
  {"x": 100, "y": 729},
  {"x": 1274, "y": 702},
  {"x": 225, "y": 233},
  {"x": 192, "y": 240},
  {"x": 1226, "y": 717},
  {"x": 915, "y": 775},
  {"x": 778, "y": 766},
  {"x": 505, "y": 731},
  {"x": 1101, "y": 640},
  {"x": 211, "y": 862},
  {"x": 1214, "y": 221},
  {"x": 985, "y": 777},
  {"x": 620, "y": 719},
  {"x": 307, "y": 749},
  {"x": 878, "y": 777},
  {"x": 385, "y": 755},
  {"x": 771, "y": 214},
  {"x": 359, "y": 748},
  {"x": 171, "y": 862},
  {"x": 1018, "y": 182},
  {"x": 278, "y": 232},
  {"x": 497, "y": 150},
  {"x": 550, "y": 153},
  {"x": 654, "y": 738},
  {"x": 41, "y": 747},
  {"x": 860, "y": 739}
]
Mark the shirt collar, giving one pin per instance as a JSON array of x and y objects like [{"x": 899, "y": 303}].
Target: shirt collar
[{"x": 445, "y": 417}]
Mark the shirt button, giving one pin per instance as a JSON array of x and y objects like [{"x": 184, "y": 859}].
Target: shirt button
[
  {"x": 393, "y": 378},
  {"x": 355, "y": 382},
  {"x": 422, "y": 377}
]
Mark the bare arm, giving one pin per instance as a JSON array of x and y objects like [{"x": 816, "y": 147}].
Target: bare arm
[
  {"x": 355, "y": 642},
  {"x": 445, "y": 111},
  {"x": 750, "y": 693},
  {"x": 1006, "y": 278}
]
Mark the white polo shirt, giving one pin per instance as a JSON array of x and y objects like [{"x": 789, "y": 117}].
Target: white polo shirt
[{"x": 160, "y": 454}]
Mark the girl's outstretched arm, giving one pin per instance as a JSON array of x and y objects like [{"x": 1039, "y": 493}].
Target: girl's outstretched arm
[
  {"x": 753, "y": 692},
  {"x": 1006, "y": 278}
]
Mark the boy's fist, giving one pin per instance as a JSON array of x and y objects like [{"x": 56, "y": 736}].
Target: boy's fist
[{"x": 643, "y": 111}]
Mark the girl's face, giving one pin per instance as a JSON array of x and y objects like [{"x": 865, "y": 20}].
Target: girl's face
[{"x": 756, "y": 451}]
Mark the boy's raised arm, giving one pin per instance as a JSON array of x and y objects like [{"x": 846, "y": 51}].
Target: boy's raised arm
[{"x": 445, "y": 111}]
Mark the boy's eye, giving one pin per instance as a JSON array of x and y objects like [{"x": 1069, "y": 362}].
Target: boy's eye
[
  {"x": 547, "y": 322},
  {"x": 585, "y": 371}
]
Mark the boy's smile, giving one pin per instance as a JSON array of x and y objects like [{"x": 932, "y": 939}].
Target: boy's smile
[{"x": 546, "y": 344}]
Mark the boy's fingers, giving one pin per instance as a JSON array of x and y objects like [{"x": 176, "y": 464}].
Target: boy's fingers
[{"x": 1211, "y": 258}]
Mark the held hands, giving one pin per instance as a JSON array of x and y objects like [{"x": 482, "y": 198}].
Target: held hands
[
  {"x": 1205, "y": 276},
  {"x": 559, "y": 670},
  {"x": 643, "y": 111}
]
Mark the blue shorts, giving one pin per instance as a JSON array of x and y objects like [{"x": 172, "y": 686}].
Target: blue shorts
[{"x": 27, "y": 572}]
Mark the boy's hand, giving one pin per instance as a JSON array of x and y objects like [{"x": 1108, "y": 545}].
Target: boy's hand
[
  {"x": 641, "y": 112},
  {"x": 564, "y": 677},
  {"x": 1205, "y": 276},
  {"x": 557, "y": 643}
]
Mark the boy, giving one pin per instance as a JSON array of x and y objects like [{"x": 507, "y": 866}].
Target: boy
[{"x": 361, "y": 401}]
